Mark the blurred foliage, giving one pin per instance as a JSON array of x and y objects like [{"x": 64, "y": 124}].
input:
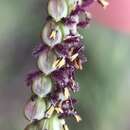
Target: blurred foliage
[{"x": 104, "y": 96}]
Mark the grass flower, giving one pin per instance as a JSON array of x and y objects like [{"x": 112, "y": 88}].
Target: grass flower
[{"x": 59, "y": 57}]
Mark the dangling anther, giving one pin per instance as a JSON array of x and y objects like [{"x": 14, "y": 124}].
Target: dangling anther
[
  {"x": 59, "y": 63},
  {"x": 73, "y": 57},
  {"x": 65, "y": 127},
  {"x": 55, "y": 63},
  {"x": 49, "y": 111},
  {"x": 80, "y": 64},
  {"x": 103, "y": 3},
  {"x": 78, "y": 118},
  {"x": 53, "y": 35},
  {"x": 58, "y": 110},
  {"x": 66, "y": 92},
  {"x": 76, "y": 65}
]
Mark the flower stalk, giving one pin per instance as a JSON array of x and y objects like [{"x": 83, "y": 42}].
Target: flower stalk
[{"x": 59, "y": 57}]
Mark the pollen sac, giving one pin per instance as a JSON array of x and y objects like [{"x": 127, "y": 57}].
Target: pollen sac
[
  {"x": 35, "y": 110},
  {"x": 52, "y": 34},
  {"x": 42, "y": 86},
  {"x": 46, "y": 61},
  {"x": 58, "y": 9},
  {"x": 103, "y": 3}
]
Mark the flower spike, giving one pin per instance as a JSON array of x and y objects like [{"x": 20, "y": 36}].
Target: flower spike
[{"x": 59, "y": 56}]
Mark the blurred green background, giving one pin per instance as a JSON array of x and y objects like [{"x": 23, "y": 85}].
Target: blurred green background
[{"x": 104, "y": 97}]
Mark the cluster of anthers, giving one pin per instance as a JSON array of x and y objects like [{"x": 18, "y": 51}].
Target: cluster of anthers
[{"x": 59, "y": 56}]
